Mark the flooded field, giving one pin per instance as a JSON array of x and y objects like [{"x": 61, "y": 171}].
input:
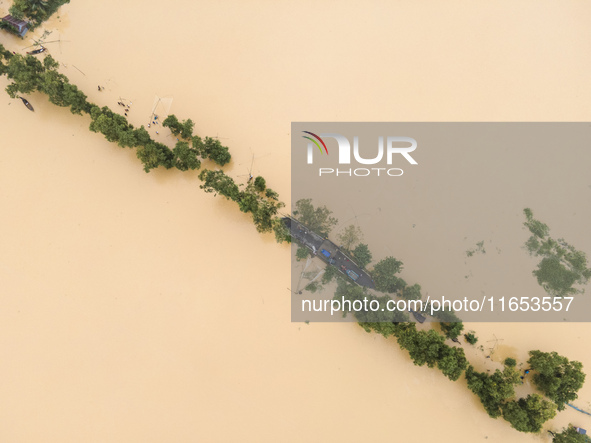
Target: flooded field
[{"x": 135, "y": 307}]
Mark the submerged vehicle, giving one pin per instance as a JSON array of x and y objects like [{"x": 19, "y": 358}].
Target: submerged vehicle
[
  {"x": 37, "y": 51},
  {"x": 418, "y": 316},
  {"x": 354, "y": 276},
  {"x": 27, "y": 104}
]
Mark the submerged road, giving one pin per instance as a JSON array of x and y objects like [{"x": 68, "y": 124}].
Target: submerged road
[{"x": 329, "y": 252}]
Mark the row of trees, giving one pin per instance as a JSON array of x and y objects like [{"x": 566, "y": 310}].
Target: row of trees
[
  {"x": 319, "y": 219},
  {"x": 384, "y": 273},
  {"x": 29, "y": 74},
  {"x": 209, "y": 148},
  {"x": 35, "y": 11},
  {"x": 386, "y": 280},
  {"x": 555, "y": 376},
  {"x": 258, "y": 200},
  {"x": 424, "y": 347},
  {"x": 494, "y": 389}
]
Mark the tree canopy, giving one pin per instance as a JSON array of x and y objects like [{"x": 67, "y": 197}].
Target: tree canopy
[
  {"x": 424, "y": 347},
  {"x": 562, "y": 266},
  {"x": 411, "y": 292},
  {"x": 217, "y": 181},
  {"x": 428, "y": 347},
  {"x": 154, "y": 154},
  {"x": 317, "y": 219},
  {"x": 185, "y": 157},
  {"x": 37, "y": 11},
  {"x": 182, "y": 129},
  {"x": 212, "y": 149},
  {"x": 384, "y": 275},
  {"x": 350, "y": 236},
  {"x": 362, "y": 255},
  {"x": 570, "y": 435},
  {"x": 452, "y": 330},
  {"x": 557, "y": 377},
  {"x": 260, "y": 184},
  {"x": 492, "y": 389},
  {"x": 529, "y": 414}
]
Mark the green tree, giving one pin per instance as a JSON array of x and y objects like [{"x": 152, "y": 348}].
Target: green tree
[
  {"x": 384, "y": 275},
  {"x": 282, "y": 234},
  {"x": 313, "y": 287},
  {"x": 570, "y": 435},
  {"x": 186, "y": 157},
  {"x": 260, "y": 184},
  {"x": 562, "y": 266},
  {"x": 30, "y": 74},
  {"x": 37, "y": 11},
  {"x": 452, "y": 362},
  {"x": 61, "y": 93},
  {"x": 198, "y": 146},
  {"x": 381, "y": 320},
  {"x": 471, "y": 338},
  {"x": 126, "y": 137},
  {"x": 272, "y": 195},
  {"x": 536, "y": 227},
  {"x": 350, "y": 236},
  {"x": 302, "y": 253},
  {"x": 330, "y": 273},
  {"x": 142, "y": 136},
  {"x": 264, "y": 215},
  {"x": 428, "y": 347},
  {"x": 25, "y": 73},
  {"x": 213, "y": 150},
  {"x": 452, "y": 330},
  {"x": 557, "y": 377},
  {"x": 411, "y": 292},
  {"x": 510, "y": 362},
  {"x": 154, "y": 154},
  {"x": 172, "y": 122},
  {"x": 494, "y": 389},
  {"x": 187, "y": 129},
  {"x": 318, "y": 219},
  {"x": 424, "y": 347},
  {"x": 5, "y": 56},
  {"x": 248, "y": 202},
  {"x": 362, "y": 255},
  {"x": 217, "y": 181},
  {"x": 76, "y": 100},
  {"x": 444, "y": 315},
  {"x": 529, "y": 414},
  {"x": 555, "y": 278},
  {"x": 113, "y": 126}
]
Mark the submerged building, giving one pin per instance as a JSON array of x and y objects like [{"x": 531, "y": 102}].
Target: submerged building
[
  {"x": 328, "y": 252},
  {"x": 20, "y": 26}
]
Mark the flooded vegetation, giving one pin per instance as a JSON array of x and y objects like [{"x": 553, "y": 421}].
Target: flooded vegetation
[{"x": 136, "y": 307}]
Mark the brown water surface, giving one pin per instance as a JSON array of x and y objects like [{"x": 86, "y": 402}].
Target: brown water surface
[{"x": 134, "y": 307}]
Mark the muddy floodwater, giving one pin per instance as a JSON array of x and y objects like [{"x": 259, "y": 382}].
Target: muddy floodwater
[{"x": 136, "y": 308}]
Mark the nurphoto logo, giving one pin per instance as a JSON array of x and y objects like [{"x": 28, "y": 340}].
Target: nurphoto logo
[{"x": 394, "y": 145}]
